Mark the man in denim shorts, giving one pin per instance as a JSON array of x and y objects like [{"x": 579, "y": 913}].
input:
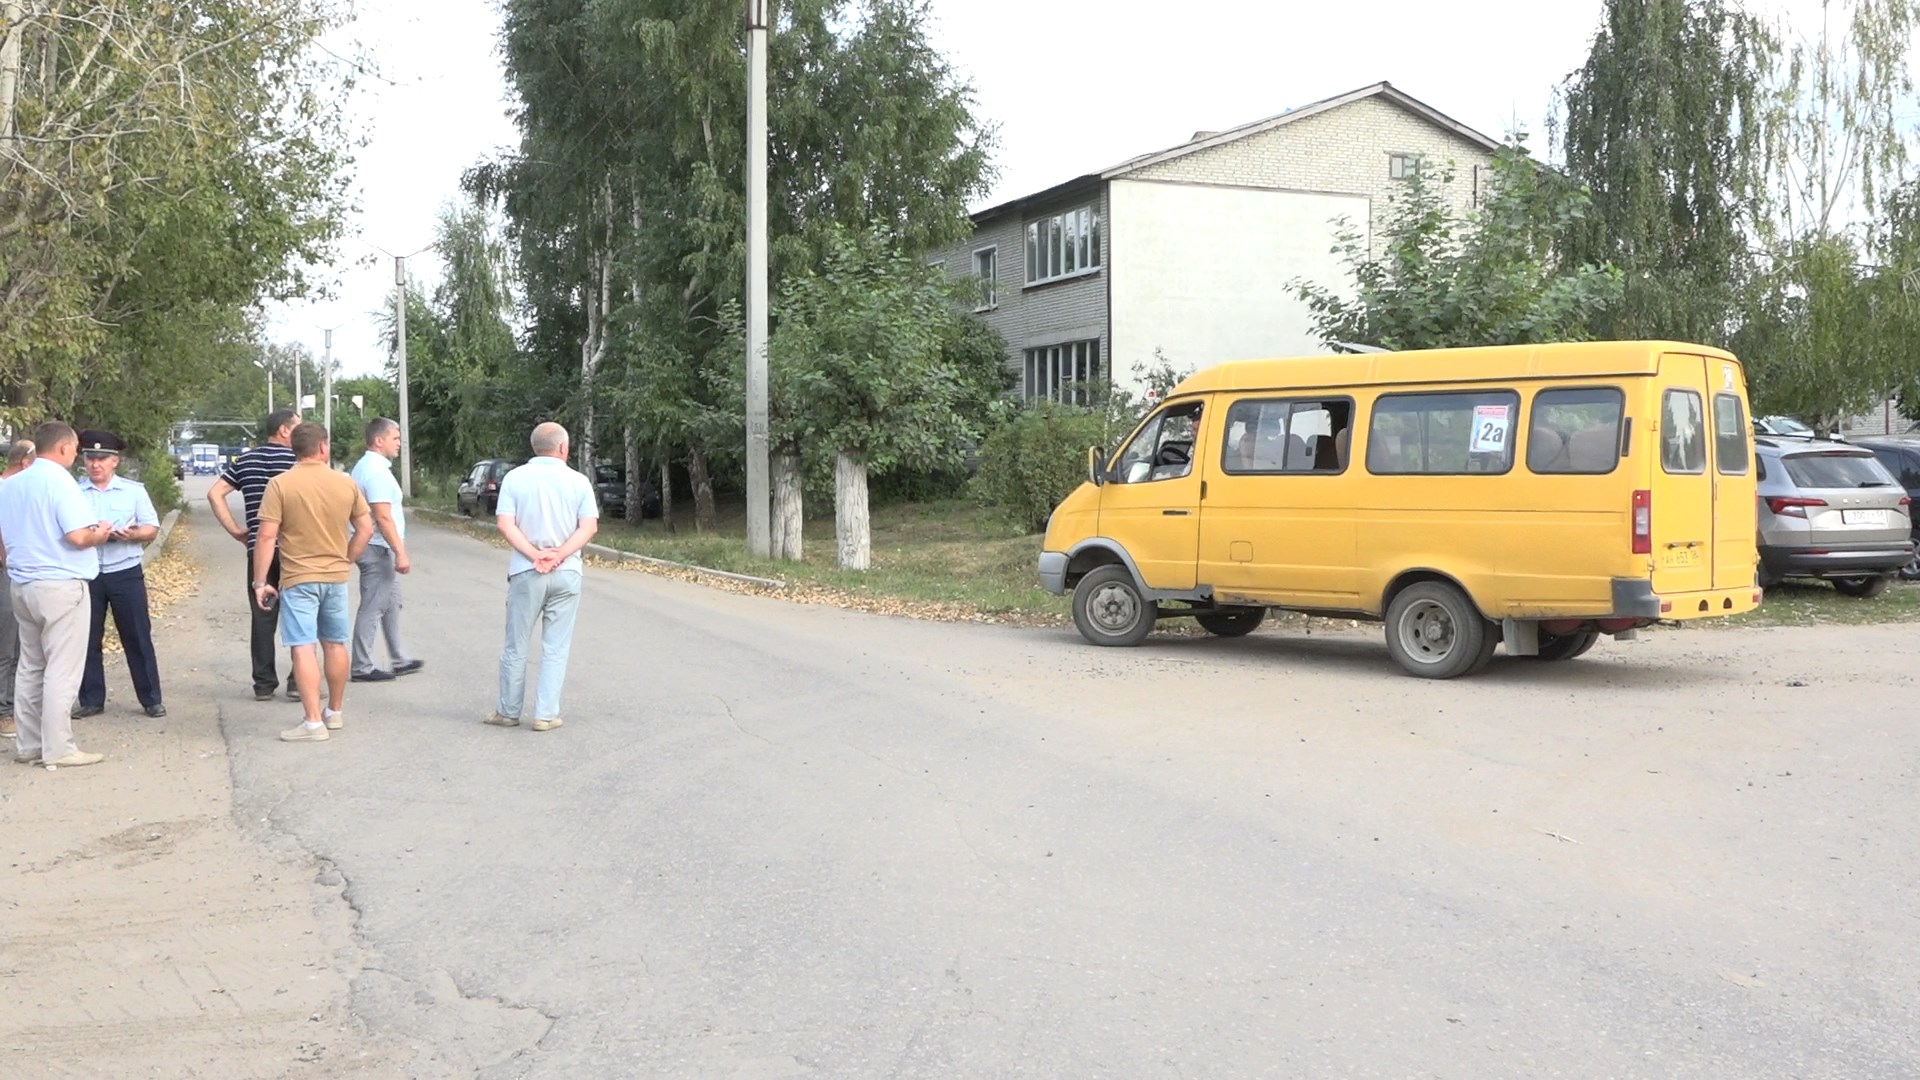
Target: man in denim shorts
[{"x": 303, "y": 518}]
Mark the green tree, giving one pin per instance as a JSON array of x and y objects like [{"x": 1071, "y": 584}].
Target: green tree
[
  {"x": 163, "y": 169},
  {"x": 1487, "y": 277},
  {"x": 1664, "y": 127},
  {"x": 861, "y": 356}
]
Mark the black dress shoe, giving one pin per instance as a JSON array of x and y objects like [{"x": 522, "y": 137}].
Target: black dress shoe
[
  {"x": 409, "y": 667},
  {"x": 81, "y": 712},
  {"x": 376, "y": 675},
  {"x": 156, "y": 711}
]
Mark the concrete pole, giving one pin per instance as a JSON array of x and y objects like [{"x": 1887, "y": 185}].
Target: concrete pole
[
  {"x": 299, "y": 398},
  {"x": 327, "y": 374},
  {"x": 759, "y": 504},
  {"x": 400, "y": 324}
]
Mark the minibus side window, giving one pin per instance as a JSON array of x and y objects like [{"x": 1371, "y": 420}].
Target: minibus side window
[
  {"x": 1575, "y": 431},
  {"x": 1163, "y": 450},
  {"x": 1729, "y": 435},
  {"x": 1683, "y": 438},
  {"x": 1443, "y": 434},
  {"x": 1280, "y": 436}
]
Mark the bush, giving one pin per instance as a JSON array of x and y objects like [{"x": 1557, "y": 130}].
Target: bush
[
  {"x": 1037, "y": 459},
  {"x": 162, "y": 488}
]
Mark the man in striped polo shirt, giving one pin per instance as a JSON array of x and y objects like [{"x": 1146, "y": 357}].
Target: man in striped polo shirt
[{"x": 249, "y": 474}]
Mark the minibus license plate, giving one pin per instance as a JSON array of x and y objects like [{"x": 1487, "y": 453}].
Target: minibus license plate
[{"x": 1864, "y": 517}]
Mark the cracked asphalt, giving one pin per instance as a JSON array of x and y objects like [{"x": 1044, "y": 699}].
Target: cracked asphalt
[{"x": 777, "y": 840}]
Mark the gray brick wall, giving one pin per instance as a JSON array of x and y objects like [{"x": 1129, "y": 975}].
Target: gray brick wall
[{"x": 1031, "y": 316}]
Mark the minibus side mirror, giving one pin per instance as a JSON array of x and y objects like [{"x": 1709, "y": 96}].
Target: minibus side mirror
[{"x": 1095, "y": 475}]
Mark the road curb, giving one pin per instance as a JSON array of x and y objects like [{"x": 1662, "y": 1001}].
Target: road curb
[
  {"x": 616, "y": 555},
  {"x": 159, "y": 544}
]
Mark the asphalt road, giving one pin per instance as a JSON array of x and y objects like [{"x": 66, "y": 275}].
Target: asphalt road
[{"x": 778, "y": 840}]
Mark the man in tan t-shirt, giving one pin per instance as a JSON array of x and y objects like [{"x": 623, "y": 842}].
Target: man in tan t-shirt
[{"x": 303, "y": 517}]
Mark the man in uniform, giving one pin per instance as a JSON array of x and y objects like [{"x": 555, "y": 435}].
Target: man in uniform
[
  {"x": 49, "y": 540},
  {"x": 122, "y": 583},
  {"x": 384, "y": 559},
  {"x": 304, "y": 518},
  {"x": 19, "y": 456},
  {"x": 249, "y": 475}
]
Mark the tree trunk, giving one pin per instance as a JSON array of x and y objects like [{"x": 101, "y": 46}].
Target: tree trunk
[
  {"x": 634, "y": 515},
  {"x": 787, "y": 509},
  {"x": 599, "y": 305},
  {"x": 12, "y": 16},
  {"x": 851, "y": 523},
  {"x": 666, "y": 494},
  {"x": 704, "y": 519}
]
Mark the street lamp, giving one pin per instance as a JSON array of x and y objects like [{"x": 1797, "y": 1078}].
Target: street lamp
[
  {"x": 262, "y": 365},
  {"x": 759, "y": 505}
]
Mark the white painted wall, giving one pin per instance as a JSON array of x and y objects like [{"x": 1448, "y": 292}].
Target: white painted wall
[{"x": 1201, "y": 271}]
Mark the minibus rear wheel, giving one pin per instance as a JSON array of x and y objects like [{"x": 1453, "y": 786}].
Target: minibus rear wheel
[
  {"x": 1109, "y": 608},
  {"x": 1435, "y": 631},
  {"x": 1567, "y": 646},
  {"x": 1231, "y": 621}
]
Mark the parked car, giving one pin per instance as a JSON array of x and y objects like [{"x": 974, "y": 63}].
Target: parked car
[
  {"x": 1830, "y": 510},
  {"x": 1901, "y": 458},
  {"x": 479, "y": 491},
  {"x": 610, "y": 485},
  {"x": 1786, "y": 427}
]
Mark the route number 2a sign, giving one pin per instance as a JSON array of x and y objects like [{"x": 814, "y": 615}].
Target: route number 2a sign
[{"x": 1491, "y": 425}]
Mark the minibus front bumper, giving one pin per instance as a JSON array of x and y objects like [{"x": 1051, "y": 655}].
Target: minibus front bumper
[{"x": 1053, "y": 572}]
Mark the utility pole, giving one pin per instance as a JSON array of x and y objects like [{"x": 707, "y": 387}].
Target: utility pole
[
  {"x": 299, "y": 399},
  {"x": 400, "y": 324},
  {"x": 759, "y": 505},
  {"x": 327, "y": 374}
]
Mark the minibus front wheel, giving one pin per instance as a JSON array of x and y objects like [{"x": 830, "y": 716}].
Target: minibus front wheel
[
  {"x": 1435, "y": 631},
  {"x": 1110, "y": 609}
]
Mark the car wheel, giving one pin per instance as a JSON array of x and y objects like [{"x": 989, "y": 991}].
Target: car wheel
[
  {"x": 1231, "y": 621},
  {"x": 1863, "y": 588},
  {"x": 1110, "y": 609},
  {"x": 1435, "y": 631},
  {"x": 1567, "y": 646},
  {"x": 1911, "y": 571}
]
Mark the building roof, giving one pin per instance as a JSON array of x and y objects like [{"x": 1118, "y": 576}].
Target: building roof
[{"x": 1207, "y": 140}]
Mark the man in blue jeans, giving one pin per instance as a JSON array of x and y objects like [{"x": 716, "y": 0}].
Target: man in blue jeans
[
  {"x": 304, "y": 516},
  {"x": 547, "y": 513}
]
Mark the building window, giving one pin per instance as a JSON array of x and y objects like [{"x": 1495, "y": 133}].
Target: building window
[
  {"x": 1402, "y": 166},
  {"x": 1067, "y": 373},
  {"x": 1063, "y": 245},
  {"x": 986, "y": 267}
]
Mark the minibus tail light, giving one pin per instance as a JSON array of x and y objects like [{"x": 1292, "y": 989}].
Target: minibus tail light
[{"x": 1643, "y": 522}]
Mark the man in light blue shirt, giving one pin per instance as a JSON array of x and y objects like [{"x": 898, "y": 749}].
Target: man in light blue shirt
[
  {"x": 547, "y": 513},
  {"x": 49, "y": 540},
  {"x": 121, "y": 586},
  {"x": 384, "y": 560}
]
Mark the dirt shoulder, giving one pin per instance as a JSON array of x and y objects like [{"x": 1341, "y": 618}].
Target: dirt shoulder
[{"x": 143, "y": 930}]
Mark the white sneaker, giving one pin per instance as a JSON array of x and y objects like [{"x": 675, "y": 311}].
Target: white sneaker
[
  {"x": 546, "y": 725},
  {"x": 302, "y": 733},
  {"x": 333, "y": 718},
  {"x": 76, "y": 759}
]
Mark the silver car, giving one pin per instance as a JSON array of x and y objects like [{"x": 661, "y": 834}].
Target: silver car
[{"x": 1829, "y": 510}]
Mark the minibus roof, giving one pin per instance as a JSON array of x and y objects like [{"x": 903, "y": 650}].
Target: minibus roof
[{"x": 1493, "y": 363}]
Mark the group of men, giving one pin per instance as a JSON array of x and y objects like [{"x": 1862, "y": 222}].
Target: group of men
[
  {"x": 73, "y": 553},
  {"x": 308, "y": 526}
]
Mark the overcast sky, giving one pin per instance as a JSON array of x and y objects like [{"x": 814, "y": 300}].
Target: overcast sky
[{"x": 1073, "y": 87}]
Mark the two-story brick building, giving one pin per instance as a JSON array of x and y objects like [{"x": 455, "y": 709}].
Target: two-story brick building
[{"x": 1190, "y": 250}]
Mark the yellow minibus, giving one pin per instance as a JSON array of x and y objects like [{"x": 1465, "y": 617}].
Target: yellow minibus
[{"x": 1536, "y": 495}]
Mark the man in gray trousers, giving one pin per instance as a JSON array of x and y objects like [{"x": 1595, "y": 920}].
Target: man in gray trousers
[
  {"x": 19, "y": 456},
  {"x": 384, "y": 560}
]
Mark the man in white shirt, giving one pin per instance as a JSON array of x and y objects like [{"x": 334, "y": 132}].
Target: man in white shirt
[
  {"x": 50, "y": 542},
  {"x": 547, "y": 513},
  {"x": 384, "y": 560}
]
